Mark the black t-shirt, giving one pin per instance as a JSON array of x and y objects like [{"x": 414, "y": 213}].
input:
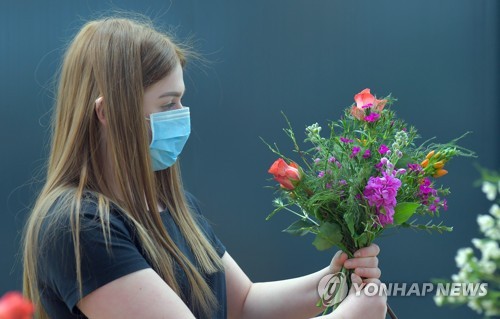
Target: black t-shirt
[{"x": 57, "y": 272}]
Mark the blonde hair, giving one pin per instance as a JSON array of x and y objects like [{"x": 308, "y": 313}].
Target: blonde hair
[{"x": 117, "y": 59}]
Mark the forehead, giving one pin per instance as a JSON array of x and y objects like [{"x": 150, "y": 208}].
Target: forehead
[{"x": 173, "y": 82}]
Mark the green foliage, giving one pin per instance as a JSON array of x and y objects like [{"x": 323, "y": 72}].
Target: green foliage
[
  {"x": 329, "y": 235},
  {"x": 330, "y": 199},
  {"x": 404, "y": 211}
]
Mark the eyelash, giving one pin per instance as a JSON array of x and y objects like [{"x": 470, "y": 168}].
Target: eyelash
[{"x": 170, "y": 105}]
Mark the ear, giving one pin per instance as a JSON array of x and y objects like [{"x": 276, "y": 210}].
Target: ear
[{"x": 99, "y": 110}]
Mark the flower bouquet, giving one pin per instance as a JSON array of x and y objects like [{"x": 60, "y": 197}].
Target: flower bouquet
[{"x": 366, "y": 175}]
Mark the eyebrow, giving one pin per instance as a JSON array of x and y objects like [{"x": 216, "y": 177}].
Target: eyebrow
[{"x": 173, "y": 93}]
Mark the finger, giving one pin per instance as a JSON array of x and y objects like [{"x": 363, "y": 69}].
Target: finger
[
  {"x": 357, "y": 284},
  {"x": 372, "y": 281},
  {"x": 368, "y": 272},
  {"x": 370, "y": 251},
  {"x": 365, "y": 262},
  {"x": 338, "y": 261}
]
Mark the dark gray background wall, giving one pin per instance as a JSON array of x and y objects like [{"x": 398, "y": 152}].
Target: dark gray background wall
[{"x": 308, "y": 58}]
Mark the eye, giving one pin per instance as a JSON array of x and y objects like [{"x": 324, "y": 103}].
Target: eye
[{"x": 170, "y": 106}]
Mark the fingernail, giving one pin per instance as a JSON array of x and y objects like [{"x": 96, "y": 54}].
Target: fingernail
[{"x": 357, "y": 254}]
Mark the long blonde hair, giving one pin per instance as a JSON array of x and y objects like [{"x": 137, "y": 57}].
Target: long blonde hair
[{"x": 118, "y": 59}]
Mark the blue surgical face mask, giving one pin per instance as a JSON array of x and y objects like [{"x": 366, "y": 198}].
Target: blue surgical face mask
[{"x": 170, "y": 131}]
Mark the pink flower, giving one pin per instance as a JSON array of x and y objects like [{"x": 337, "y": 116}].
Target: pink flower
[
  {"x": 381, "y": 192},
  {"x": 383, "y": 149},
  {"x": 372, "y": 117},
  {"x": 355, "y": 151},
  {"x": 285, "y": 174},
  {"x": 367, "y": 154},
  {"x": 346, "y": 140},
  {"x": 14, "y": 306}
]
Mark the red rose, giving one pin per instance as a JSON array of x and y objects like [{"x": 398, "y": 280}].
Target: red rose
[
  {"x": 14, "y": 306},
  {"x": 285, "y": 174}
]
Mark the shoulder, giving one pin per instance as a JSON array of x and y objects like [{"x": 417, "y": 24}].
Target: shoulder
[
  {"x": 86, "y": 215},
  {"x": 85, "y": 246}
]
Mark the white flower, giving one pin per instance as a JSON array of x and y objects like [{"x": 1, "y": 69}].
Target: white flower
[
  {"x": 462, "y": 256},
  {"x": 490, "y": 190},
  {"x": 313, "y": 130},
  {"x": 495, "y": 210},
  {"x": 487, "y": 267},
  {"x": 494, "y": 233},
  {"x": 439, "y": 299},
  {"x": 485, "y": 222},
  {"x": 490, "y": 250},
  {"x": 489, "y": 307},
  {"x": 475, "y": 305}
]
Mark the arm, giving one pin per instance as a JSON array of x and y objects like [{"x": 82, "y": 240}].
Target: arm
[
  {"x": 142, "y": 294},
  {"x": 293, "y": 298}
]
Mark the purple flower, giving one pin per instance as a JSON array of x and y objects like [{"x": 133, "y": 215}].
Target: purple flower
[
  {"x": 401, "y": 171},
  {"x": 367, "y": 154},
  {"x": 381, "y": 192},
  {"x": 414, "y": 168},
  {"x": 432, "y": 208},
  {"x": 355, "y": 151},
  {"x": 383, "y": 149},
  {"x": 367, "y": 105},
  {"x": 332, "y": 160},
  {"x": 317, "y": 160},
  {"x": 426, "y": 191},
  {"x": 328, "y": 185},
  {"x": 372, "y": 117},
  {"x": 444, "y": 203},
  {"x": 346, "y": 140},
  {"x": 321, "y": 174},
  {"x": 342, "y": 182}
]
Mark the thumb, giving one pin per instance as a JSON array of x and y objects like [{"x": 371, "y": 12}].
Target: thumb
[{"x": 338, "y": 261}]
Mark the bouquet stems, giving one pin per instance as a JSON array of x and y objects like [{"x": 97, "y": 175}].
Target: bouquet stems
[{"x": 339, "y": 297}]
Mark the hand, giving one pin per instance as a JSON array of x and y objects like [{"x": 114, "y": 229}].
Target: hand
[
  {"x": 364, "y": 263},
  {"x": 360, "y": 305}
]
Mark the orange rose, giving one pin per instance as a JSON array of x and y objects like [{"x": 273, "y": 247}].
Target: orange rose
[
  {"x": 364, "y": 99},
  {"x": 379, "y": 105},
  {"x": 14, "y": 306},
  {"x": 358, "y": 113},
  {"x": 285, "y": 174}
]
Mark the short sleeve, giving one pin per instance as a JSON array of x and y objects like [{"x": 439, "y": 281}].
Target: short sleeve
[
  {"x": 205, "y": 225},
  {"x": 102, "y": 259}
]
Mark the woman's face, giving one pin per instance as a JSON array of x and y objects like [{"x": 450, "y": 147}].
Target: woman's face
[{"x": 166, "y": 94}]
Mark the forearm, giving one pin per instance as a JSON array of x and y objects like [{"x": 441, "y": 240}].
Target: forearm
[{"x": 293, "y": 298}]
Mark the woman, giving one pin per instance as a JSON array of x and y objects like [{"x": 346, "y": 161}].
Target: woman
[{"x": 112, "y": 233}]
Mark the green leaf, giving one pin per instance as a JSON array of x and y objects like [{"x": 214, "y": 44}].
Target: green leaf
[
  {"x": 349, "y": 219},
  {"x": 403, "y": 211},
  {"x": 329, "y": 235},
  {"x": 300, "y": 227},
  {"x": 362, "y": 240}
]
